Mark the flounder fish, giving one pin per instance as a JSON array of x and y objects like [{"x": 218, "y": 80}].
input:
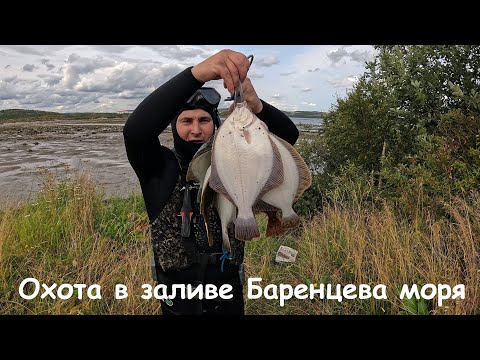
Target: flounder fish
[
  {"x": 254, "y": 166},
  {"x": 246, "y": 169}
]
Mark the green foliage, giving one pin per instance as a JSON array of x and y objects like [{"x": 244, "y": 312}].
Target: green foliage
[
  {"x": 12, "y": 115},
  {"x": 411, "y": 126},
  {"x": 446, "y": 164},
  {"x": 414, "y": 306},
  {"x": 311, "y": 148},
  {"x": 355, "y": 132}
]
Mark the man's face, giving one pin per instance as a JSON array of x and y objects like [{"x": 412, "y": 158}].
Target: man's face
[{"x": 195, "y": 125}]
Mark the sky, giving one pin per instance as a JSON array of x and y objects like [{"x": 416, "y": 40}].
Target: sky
[{"x": 115, "y": 78}]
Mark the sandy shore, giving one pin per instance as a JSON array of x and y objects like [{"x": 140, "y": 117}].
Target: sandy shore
[{"x": 65, "y": 147}]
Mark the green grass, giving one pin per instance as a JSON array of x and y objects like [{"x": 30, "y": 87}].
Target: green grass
[{"x": 71, "y": 233}]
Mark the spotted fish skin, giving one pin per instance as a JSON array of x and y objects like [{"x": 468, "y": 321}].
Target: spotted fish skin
[
  {"x": 245, "y": 165},
  {"x": 249, "y": 170}
]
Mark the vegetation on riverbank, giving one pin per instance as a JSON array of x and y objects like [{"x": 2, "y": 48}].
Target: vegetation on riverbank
[
  {"x": 21, "y": 115},
  {"x": 394, "y": 201},
  {"x": 71, "y": 234}
]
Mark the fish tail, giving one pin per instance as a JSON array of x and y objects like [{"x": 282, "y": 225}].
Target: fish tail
[
  {"x": 246, "y": 227},
  {"x": 274, "y": 226},
  {"x": 290, "y": 221},
  {"x": 226, "y": 243}
]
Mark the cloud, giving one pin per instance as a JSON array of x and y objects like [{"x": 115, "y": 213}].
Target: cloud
[
  {"x": 361, "y": 56},
  {"x": 111, "y": 77},
  {"x": 114, "y": 49},
  {"x": 266, "y": 61},
  {"x": 283, "y": 105},
  {"x": 185, "y": 54},
  {"x": 356, "y": 55},
  {"x": 51, "y": 79},
  {"x": 46, "y": 62},
  {"x": 255, "y": 75},
  {"x": 9, "y": 79},
  {"x": 76, "y": 65},
  {"x": 126, "y": 77},
  {"x": 180, "y": 52},
  {"x": 84, "y": 80},
  {"x": 65, "y": 98},
  {"x": 29, "y": 67},
  {"x": 347, "y": 82},
  {"x": 36, "y": 50},
  {"x": 18, "y": 89},
  {"x": 132, "y": 94},
  {"x": 24, "y": 49},
  {"x": 7, "y": 92},
  {"x": 336, "y": 55}
]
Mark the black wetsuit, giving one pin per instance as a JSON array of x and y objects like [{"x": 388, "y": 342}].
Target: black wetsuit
[{"x": 162, "y": 186}]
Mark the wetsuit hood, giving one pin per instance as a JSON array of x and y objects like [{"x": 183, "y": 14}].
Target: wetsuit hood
[{"x": 185, "y": 150}]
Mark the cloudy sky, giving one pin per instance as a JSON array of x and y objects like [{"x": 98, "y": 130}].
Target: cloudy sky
[{"x": 108, "y": 78}]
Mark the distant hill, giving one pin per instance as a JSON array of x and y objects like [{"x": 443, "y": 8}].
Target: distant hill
[
  {"x": 13, "y": 115},
  {"x": 34, "y": 115},
  {"x": 305, "y": 114}
]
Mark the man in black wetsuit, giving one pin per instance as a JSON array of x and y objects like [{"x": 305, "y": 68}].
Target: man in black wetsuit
[{"x": 180, "y": 246}]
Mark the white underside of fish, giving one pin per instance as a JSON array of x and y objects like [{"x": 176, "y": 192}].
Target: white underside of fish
[
  {"x": 245, "y": 164},
  {"x": 251, "y": 170}
]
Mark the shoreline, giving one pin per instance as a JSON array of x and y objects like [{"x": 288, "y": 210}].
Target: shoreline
[{"x": 64, "y": 147}]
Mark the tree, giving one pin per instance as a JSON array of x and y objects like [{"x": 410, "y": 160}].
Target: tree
[{"x": 402, "y": 95}]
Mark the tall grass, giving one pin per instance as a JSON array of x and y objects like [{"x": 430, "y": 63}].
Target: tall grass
[
  {"x": 353, "y": 243},
  {"x": 70, "y": 233}
]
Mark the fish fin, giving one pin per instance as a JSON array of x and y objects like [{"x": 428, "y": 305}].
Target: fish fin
[
  {"x": 276, "y": 175},
  {"x": 198, "y": 167},
  {"x": 216, "y": 183},
  {"x": 304, "y": 173},
  {"x": 290, "y": 221},
  {"x": 210, "y": 237},
  {"x": 206, "y": 199},
  {"x": 190, "y": 175},
  {"x": 226, "y": 211},
  {"x": 226, "y": 242},
  {"x": 199, "y": 194},
  {"x": 274, "y": 226},
  {"x": 200, "y": 162},
  {"x": 246, "y": 227},
  {"x": 289, "y": 218},
  {"x": 261, "y": 205}
]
